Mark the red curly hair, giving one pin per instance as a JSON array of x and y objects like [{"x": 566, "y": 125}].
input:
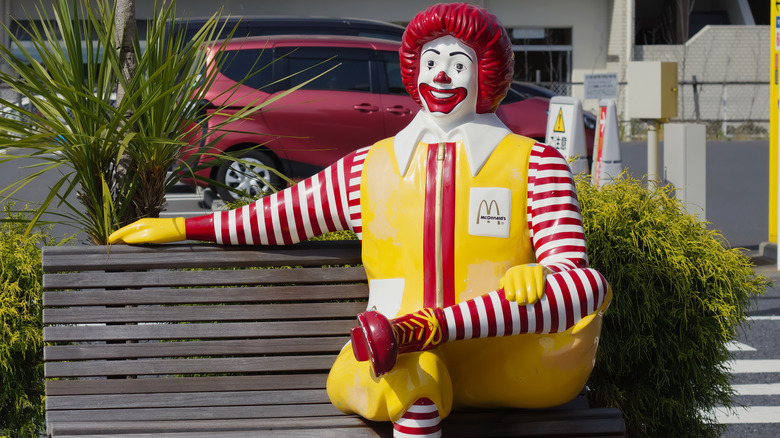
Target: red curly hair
[{"x": 475, "y": 27}]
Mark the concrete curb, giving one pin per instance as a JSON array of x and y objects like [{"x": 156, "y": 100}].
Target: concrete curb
[{"x": 766, "y": 254}]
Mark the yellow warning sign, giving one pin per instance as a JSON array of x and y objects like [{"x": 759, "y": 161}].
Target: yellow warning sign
[{"x": 559, "y": 122}]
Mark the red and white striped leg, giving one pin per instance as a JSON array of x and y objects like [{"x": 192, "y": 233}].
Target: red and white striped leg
[
  {"x": 569, "y": 297},
  {"x": 420, "y": 421}
]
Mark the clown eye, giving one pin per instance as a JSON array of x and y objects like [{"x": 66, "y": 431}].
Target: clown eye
[
  {"x": 430, "y": 64},
  {"x": 459, "y": 67}
]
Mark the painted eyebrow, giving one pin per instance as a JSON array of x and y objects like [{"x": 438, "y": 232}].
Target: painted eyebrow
[
  {"x": 462, "y": 53},
  {"x": 432, "y": 50}
]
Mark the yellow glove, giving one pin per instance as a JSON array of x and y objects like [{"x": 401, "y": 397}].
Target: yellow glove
[
  {"x": 524, "y": 284},
  {"x": 150, "y": 230}
]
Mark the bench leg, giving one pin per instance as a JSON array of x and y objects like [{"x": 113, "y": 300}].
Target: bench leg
[{"x": 420, "y": 421}]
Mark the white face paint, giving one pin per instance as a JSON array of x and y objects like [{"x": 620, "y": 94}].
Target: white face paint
[{"x": 447, "y": 81}]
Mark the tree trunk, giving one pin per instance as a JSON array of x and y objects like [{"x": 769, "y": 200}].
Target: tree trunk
[{"x": 125, "y": 33}]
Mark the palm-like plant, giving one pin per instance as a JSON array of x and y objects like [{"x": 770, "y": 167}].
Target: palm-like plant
[
  {"x": 70, "y": 118},
  {"x": 78, "y": 128}
]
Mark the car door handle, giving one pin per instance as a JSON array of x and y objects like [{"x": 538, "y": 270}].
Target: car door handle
[
  {"x": 399, "y": 110},
  {"x": 366, "y": 108}
]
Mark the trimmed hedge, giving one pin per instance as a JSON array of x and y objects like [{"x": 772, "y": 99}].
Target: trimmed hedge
[{"x": 679, "y": 298}]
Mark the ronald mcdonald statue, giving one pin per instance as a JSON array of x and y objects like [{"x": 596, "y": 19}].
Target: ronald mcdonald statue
[{"x": 480, "y": 290}]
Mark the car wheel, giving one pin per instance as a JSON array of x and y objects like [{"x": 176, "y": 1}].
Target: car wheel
[{"x": 243, "y": 176}]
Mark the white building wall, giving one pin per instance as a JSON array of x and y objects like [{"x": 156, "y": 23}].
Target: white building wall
[{"x": 586, "y": 18}]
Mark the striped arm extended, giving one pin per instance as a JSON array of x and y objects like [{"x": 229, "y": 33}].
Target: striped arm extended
[{"x": 328, "y": 201}]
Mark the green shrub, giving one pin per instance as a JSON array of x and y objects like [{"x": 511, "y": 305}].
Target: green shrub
[
  {"x": 679, "y": 297},
  {"x": 21, "y": 341},
  {"x": 337, "y": 235}
]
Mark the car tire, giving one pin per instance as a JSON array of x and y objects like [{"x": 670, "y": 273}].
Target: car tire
[{"x": 243, "y": 176}]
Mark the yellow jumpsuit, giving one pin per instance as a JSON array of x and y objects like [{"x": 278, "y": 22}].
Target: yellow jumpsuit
[{"x": 525, "y": 371}]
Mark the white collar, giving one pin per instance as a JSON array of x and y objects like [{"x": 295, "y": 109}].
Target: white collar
[{"x": 480, "y": 137}]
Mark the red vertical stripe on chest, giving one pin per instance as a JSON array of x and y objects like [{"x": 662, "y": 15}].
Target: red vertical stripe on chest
[
  {"x": 429, "y": 230},
  {"x": 447, "y": 228},
  {"x": 448, "y": 225}
]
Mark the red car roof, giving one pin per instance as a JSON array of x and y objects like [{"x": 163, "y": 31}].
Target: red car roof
[{"x": 308, "y": 41}]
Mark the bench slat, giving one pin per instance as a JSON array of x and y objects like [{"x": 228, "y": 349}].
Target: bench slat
[
  {"x": 199, "y": 413},
  {"x": 261, "y": 312},
  {"x": 83, "y": 258},
  {"x": 86, "y": 280},
  {"x": 226, "y": 330},
  {"x": 250, "y": 294},
  {"x": 186, "y": 400},
  {"x": 600, "y": 427},
  {"x": 458, "y": 425},
  {"x": 354, "y": 432},
  {"x": 193, "y": 348},
  {"x": 188, "y": 366},
  {"x": 245, "y": 425},
  {"x": 186, "y": 384},
  {"x": 324, "y": 432}
]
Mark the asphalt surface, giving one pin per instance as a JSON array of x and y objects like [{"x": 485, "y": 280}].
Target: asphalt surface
[{"x": 756, "y": 366}]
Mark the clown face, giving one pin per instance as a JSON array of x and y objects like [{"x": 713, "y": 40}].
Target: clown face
[{"x": 447, "y": 81}]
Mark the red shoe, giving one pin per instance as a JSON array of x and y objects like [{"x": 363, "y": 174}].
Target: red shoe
[
  {"x": 374, "y": 340},
  {"x": 379, "y": 340}
]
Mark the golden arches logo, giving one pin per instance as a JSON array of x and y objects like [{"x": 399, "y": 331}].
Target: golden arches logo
[{"x": 488, "y": 216}]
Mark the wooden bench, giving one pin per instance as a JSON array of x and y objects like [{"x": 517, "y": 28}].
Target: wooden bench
[{"x": 138, "y": 344}]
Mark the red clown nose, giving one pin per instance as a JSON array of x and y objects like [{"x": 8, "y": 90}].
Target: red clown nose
[{"x": 442, "y": 78}]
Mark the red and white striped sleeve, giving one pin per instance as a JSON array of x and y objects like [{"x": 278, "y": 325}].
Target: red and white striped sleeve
[
  {"x": 554, "y": 219},
  {"x": 328, "y": 201},
  {"x": 555, "y": 225}
]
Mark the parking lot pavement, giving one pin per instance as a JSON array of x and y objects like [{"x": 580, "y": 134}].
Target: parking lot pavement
[{"x": 756, "y": 365}]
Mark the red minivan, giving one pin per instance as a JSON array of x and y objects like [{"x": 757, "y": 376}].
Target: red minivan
[{"x": 356, "y": 104}]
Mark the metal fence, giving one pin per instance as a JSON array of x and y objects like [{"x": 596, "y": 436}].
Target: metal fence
[{"x": 730, "y": 110}]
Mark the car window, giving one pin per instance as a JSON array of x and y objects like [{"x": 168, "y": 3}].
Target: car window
[
  {"x": 350, "y": 75},
  {"x": 253, "y": 66},
  {"x": 394, "y": 83},
  {"x": 351, "y": 72},
  {"x": 513, "y": 96},
  {"x": 392, "y": 73}
]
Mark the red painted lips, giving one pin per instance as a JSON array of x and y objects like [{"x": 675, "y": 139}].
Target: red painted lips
[{"x": 442, "y": 101}]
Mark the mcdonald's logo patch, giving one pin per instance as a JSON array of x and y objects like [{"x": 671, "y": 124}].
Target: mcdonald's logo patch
[
  {"x": 487, "y": 214},
  {"x": 490, "y": 211}
]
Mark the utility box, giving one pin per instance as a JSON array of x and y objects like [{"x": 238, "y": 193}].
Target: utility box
[
  {"x": 685, "y": 165},
  {"x": 652, "y": 90}
]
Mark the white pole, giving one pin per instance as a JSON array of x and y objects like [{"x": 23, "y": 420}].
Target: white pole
[{"x": 652, "y": 153}]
